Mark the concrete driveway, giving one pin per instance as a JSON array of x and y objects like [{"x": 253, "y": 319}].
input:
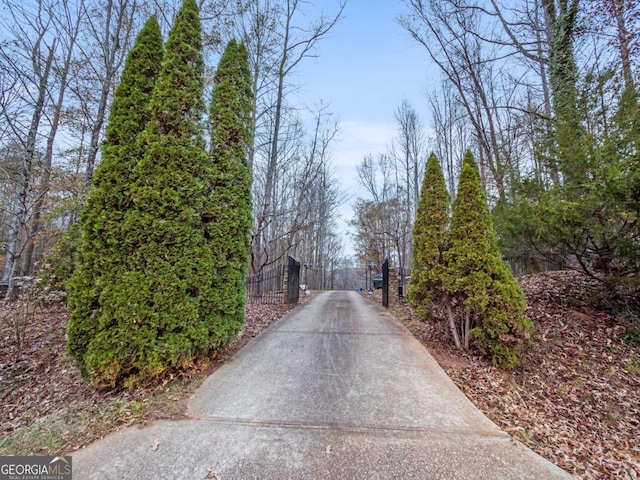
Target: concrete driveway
[{"x": 337, "y": 389}]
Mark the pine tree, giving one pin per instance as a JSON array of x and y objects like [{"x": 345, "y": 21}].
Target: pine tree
[
  {"x": 491, "y": 301},
  {"x": 230, "y": 202},
  {"x": 429, "y": 239},
  {"x": 152, "y": 316},
  {"x": 99, "y": 253}
]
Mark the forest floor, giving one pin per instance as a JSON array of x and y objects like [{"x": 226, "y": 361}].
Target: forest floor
[
  {"x": 576, "y": 398},
  {"x": 47, "y": 409}
]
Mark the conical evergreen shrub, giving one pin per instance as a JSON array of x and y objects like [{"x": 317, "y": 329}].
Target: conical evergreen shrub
[
  {"x": 230, "y": 202},
  {"x": 100, "y": 256},
  {"x": 152, "y": 316},
  {"x": 429, "y": 240},
  {"x": 491, "y": 302}
]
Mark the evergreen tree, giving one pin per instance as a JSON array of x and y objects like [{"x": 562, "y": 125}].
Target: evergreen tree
[
  {"x": 100, "y": 258},
  {"x": 152, "y": 316},
  {"x": 491, "y": 302},
  {"x": 229, "y": 209},
  {"x": 429, "y": 239},
  {"x": 596, "y": 223}
]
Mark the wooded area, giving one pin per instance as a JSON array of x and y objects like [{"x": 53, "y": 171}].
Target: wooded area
[
  {"x": 129, "y": 188},
  {"x": 545, "y": 93},
  {"x": 60, "y": 63}
]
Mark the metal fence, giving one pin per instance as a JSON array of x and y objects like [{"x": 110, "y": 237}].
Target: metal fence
[
  {"x": 277, "y": 284},
  {"x": 527, "y": 264},
  {"x": 266, "y": 286}
]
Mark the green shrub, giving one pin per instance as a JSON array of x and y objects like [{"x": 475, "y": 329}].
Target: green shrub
[
  {"x": 429, "y": 240},
  {"x": 492, "y": 303},
  {"x": 229, "y": 206},
  {"x": 137, "y": 308}
]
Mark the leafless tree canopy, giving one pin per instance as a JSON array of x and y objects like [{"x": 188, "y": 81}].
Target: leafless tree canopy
[{"x": 60, "y": 62}]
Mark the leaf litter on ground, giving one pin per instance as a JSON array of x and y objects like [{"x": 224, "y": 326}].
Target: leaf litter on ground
[
  {"x": 46, "y": 407},
  {"x": 576, "y": 398}
]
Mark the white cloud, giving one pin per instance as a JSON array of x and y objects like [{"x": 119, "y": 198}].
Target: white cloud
[{"x": 357, "y": 138}]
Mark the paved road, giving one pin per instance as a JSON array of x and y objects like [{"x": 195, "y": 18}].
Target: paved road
[{"x": 337, "y": 389}]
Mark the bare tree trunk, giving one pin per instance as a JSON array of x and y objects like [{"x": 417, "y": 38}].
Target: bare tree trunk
[
  {"x": 20, "y": 209},
  {"x": 624, "y": 42},
  {"x": 452, "y": 323},
  {"x": 546, "y": 94},
  {"x": 452, "y": 44},
  {"x": 467, "y": 327},
  {"x": 297, "y": 44},
  {"x": 45, "y": 179},
  {"x": 109, "y": 37}
]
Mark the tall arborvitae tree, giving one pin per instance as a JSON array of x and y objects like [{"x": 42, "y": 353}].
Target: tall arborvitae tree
[
  {"x": 152, "y": 314},
  {"x": 429, "y": 240},
  {"x": 230, "y": 202},
  {"x": 490, "y": 303},
  {"x": 100, "y": 256}
]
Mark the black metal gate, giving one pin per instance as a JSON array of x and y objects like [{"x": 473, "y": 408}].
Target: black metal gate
[
  {"x": 293, "y": 281},
  {"x": 385, "y": 283}
]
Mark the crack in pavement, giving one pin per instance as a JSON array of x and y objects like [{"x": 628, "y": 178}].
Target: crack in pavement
[{"x": 352, "y": 428}]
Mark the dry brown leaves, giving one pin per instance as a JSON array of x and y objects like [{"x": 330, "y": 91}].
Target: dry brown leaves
[
  {"x": 37, "y": 378},
  {"x": 576, "y": 399}
]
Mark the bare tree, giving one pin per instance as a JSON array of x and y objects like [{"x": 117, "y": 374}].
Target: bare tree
[
  {"x": 303, "y": 222},
  {"x": 109, "y": 30},
  {"x": 27, "y": 57},
  {"x": 446, "y": 30},
  {"x": 410, "y": 153},
  {"x": 318, "y": 244},
  {"x": 375, "y": 175},
  {"x": 383, "y": 222},
  {"x": 279, "y": 37},
  {"x": 618, "y": 23},
  {"x": 67, "y": 23},
  {"x": 450, "y": 130}
]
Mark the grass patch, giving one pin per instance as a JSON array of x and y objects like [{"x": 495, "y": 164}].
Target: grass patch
[{"x": 634, "y": 365}]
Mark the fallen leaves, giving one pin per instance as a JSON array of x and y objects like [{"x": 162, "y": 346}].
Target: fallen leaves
[
  {"x": 38, "y": 381},
  {"x": 576, "y": 399}
]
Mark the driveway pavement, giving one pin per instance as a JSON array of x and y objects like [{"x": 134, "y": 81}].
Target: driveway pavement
[{"x": 336, "y": 389}]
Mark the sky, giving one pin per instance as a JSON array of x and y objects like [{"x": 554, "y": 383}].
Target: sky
[{"x": 363, "y": 70}]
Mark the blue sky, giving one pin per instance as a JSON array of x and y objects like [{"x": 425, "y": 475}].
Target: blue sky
[{"x": 364, "y": 69}]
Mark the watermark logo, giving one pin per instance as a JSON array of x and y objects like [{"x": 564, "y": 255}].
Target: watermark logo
[{"x": 35, "y": 468}]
